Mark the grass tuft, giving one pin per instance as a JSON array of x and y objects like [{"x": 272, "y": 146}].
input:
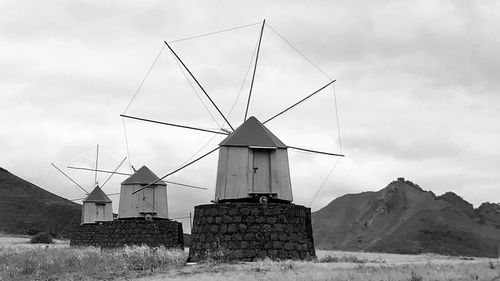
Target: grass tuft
[
  {"x": 415, "y": 277},
  {"x": 491, "y": 265},
  {"x": 347, "y": 259},
  {"x": 41, "y": 238}
]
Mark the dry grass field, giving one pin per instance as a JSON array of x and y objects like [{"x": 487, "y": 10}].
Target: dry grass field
[
  {"x": 336, "y": 265},
  {"x": 20, "y": 260}
]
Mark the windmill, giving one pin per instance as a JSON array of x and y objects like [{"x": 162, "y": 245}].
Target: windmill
[
  {"x": 253, "y": 162},
  {"x": 99, "y": 227},
  {"x": 97, "y": 206},
  {"x": 149, "y": 203},
  {"x": 253, "y": 192}
]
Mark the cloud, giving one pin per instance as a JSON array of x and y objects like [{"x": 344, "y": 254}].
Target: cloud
[{"x": 416, "y": 89}]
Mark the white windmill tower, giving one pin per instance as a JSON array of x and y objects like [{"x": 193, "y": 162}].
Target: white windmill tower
[
  {"x": 96, "y": 205},
  {"x": 253, "y": 167},
  {"x": 149, "y": 203},
  {"x": 253, "y": 163}
]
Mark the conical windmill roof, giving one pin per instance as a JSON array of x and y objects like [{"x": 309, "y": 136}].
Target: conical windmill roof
[
  {"x": 253, "y": 133},
  {"x": 143, "y": 176},
  {"x": 97, "y": 196}
]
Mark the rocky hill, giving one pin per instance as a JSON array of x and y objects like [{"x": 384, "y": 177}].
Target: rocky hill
[
  {"x": 403, "y": 218},
  {"x": 27, "y": 209}
]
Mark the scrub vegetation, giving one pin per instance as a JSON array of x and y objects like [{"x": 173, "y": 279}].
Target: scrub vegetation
[
  {"x": 41, "y": 238},
  {"x": 20, "y": 260},
  {"x": 50, "y": 263}
]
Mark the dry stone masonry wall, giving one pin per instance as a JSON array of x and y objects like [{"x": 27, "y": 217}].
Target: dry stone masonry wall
[
  {"x": 250, "y": 231},
  {"x": 118, "y": 233}
]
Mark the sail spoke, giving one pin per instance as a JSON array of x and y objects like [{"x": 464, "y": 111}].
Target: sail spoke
[
  {"x": 316, "y": 151},
  {"x": 299, "y": 102}
]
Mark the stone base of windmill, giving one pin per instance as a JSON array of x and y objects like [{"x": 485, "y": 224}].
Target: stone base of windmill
[
  {"x": 118, "y": 233},
  {"x": 251, "y": 231}
]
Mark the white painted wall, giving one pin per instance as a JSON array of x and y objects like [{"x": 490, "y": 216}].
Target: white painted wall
[
  {"x": 235, "y": 174},
  {"x": 92, "y": 212},
  {"x": 149, "y": 200}
]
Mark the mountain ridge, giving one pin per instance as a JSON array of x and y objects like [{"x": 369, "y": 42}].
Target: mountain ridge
[
  {"x": 26, "y": 208},
  {"x": 403, "y": 218}
]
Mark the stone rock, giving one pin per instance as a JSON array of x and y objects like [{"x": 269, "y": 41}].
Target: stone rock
[
  {"x": 251, "y": 231},
  {"x": 118, "y": 233}
]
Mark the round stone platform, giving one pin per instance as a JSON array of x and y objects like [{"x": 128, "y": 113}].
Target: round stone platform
[
  {"x": 118, "y": 233},
  {"x": 250, "y": 231}
]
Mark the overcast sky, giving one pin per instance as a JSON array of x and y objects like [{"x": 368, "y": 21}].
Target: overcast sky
[{"x": 417, "y": 91}]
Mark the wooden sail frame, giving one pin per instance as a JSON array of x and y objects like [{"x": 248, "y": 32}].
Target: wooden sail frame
[
  {"x": 224, "y": 117},
  {"x": 95, "y": 170},
  {"x": 96, "y": 205}
]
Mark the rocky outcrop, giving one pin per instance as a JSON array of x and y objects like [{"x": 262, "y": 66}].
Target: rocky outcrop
[
  {"x": 489, "y": 213},
  {"x": 403, "y": 218},
  {"x": 458, "y": 202}
]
